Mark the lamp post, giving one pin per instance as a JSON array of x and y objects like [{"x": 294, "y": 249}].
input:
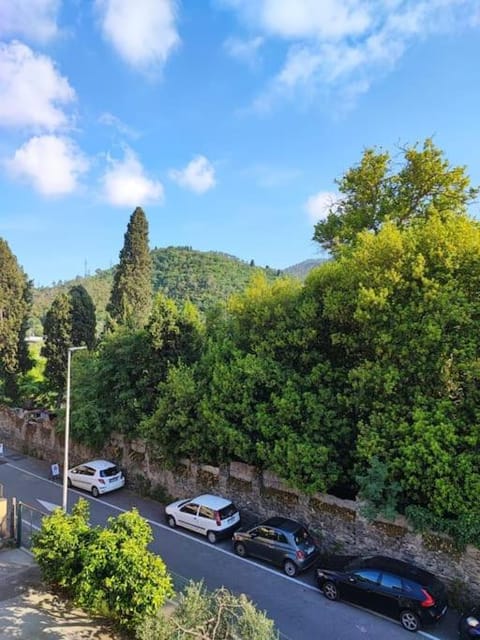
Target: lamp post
[{"x": 67, "y": 427}]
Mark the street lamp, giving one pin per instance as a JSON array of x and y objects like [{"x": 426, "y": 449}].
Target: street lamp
[{"x": 67, "y": 427}]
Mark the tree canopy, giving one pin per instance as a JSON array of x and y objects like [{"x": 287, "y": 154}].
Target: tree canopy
[{"x": 377, "y": 190}]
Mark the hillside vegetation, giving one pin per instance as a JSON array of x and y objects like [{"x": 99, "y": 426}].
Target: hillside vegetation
[{"x": 181, "y": 273}]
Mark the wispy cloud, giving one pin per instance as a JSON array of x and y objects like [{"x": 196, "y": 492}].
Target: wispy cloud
[
  {"x": 341, "y": 47},
  {"x": 272, "y": 177},
  {"x": 197, "y": 176},
  {"x": 143, "y": 32},
  {"x": 109, "y": 120},
  {"x": 244, "y": 50},
  {"x": 33, "y": 93},
  {"x": 52, "y": 164},
  {"x": 125, "y": 183},
  {"x": 319, "y": 205},
  {"x": 34, "y": 20}
]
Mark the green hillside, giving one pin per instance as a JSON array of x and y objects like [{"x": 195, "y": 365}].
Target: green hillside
[{"x": 181, "y": 273}]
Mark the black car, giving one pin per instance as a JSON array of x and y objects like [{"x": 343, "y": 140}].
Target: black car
[
  {"x": 469, "y": 625},
  {"x": 396, "y": 589},
  {"x": 281, "y": 541}
]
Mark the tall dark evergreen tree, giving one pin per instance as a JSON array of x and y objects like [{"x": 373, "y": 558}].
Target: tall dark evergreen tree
[
  {"x": 131, "y": 297},
  {"x": 57, "y": 332},
  {"x": 83, "y": 317},
  {"x": 15, "y": 302}
]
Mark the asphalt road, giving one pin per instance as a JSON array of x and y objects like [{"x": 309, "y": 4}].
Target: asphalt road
[{"x": 298, "y": 608}]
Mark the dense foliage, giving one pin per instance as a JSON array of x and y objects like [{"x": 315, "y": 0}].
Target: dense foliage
[
  {"x": 107, "y": 571},
  {"x": 362, "y": 380},
  {"x": 215, "y": 615}
]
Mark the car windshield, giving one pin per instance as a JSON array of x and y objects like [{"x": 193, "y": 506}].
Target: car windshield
[
  {"x": 301, "y": 536},
  {"x": 228, "y": 511},
  {"x": 107, "y": 473}
]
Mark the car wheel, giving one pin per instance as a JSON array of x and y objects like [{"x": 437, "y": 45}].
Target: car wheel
[
  {"x": 95, "y": 492},
  {"x": 409, "y": 621},
  {"x": 240, "y": 549},
  {"x": 330, "y": 590},
  {"x": 290, "y": 568},
  {"x": 171, "y": 522},
  {"x": 211, "y": 537}
]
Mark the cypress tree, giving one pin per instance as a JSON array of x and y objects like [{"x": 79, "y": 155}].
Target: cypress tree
[
  {"x": 58, "y": 336},
  {"x": 83, "y": 317},
  {"x": 131, "y": 297},
  {"x": 15, "y": 302}
]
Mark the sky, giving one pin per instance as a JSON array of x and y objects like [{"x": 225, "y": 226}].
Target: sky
[{"x": 227, "y": 121}]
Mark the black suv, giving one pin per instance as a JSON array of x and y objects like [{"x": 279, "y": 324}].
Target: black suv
[
  {"x": 281, "y": 541},
  {"x": 396, "y": 589}
]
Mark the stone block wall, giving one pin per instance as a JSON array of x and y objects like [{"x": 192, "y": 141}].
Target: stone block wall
[{"x": 338, "y": 523}]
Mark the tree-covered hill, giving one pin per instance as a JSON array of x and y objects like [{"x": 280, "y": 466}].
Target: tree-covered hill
[{"x": 181, "y": 273}]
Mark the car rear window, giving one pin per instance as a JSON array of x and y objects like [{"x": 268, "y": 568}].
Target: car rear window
[
  {"x": 228, "y": 511},
  {"x": 108, "y": 473},
  {"x": 301, "y": 536}
]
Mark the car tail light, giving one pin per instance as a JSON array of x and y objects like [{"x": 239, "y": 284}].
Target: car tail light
[
  {"x": 473, "y": 622},
  {"x": 300, "y": 555},
  {"x": 101, "y": 481},
  {"x": 428, "y": 601},
  {"x": 218, "y": 519}
]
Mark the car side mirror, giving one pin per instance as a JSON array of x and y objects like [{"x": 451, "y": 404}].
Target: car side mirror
[{"x": 352, "y": 579}]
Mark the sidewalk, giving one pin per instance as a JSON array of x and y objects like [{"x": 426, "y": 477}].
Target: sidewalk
[{"x": 29, "y": 612}]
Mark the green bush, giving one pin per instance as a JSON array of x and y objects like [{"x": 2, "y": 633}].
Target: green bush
[{"x": 107, "y": 571}]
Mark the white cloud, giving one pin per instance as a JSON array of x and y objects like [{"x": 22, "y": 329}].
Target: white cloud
[
  {"x": 126, "y": 184},
  {"x": 244, "y": 50},
  {"x": 32, "y": 19},
  {"x": 198, "y": 175},
  {"x": 341, "y": 47},
  {"x": 52, "y": 164},
  {"x": 32, "y": 91},
  {"x": 143, "y": 32},
  {"x": 319, "y": 205}
]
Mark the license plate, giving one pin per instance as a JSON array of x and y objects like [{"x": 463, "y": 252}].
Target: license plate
[{"x": 113, "y": 479}]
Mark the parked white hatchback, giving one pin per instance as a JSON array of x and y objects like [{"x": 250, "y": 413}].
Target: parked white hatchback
[
  {"x": 96, "y": 476},
  {"x": 209, "y": 515}
]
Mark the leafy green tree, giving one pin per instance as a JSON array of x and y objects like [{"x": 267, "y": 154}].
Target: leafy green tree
[
  {"x": 131, "y": 296},
  {"x": 375, "y": 191},
  {"x": 15, "y": 303},
  {"x": 57, "y": 336},
  {"x": 120, "y": 577},
  {"x": 107, "y": 571},
  {"x": 83, "y": 317},
  {"x": 59, "y": 544},
  {"x": 216, "y": 615}
]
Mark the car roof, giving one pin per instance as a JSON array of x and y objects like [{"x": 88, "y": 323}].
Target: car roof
[
  {"x": 392, "y": 565},
  {"x": 213, "y": 502},
  {"x": 286, "y": 524},
  {"x": 98, "y": 464}
]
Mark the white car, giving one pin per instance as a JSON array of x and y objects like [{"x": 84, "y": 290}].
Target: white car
[
  {"x": 96, "y": 476},
  {"x": 209, "y": 515}
]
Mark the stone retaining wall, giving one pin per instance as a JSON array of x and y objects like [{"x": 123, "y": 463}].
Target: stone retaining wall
[{"x": 338, "y": 523}]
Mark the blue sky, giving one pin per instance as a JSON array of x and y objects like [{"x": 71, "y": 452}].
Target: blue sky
[{"x": 226, "y": 120}]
